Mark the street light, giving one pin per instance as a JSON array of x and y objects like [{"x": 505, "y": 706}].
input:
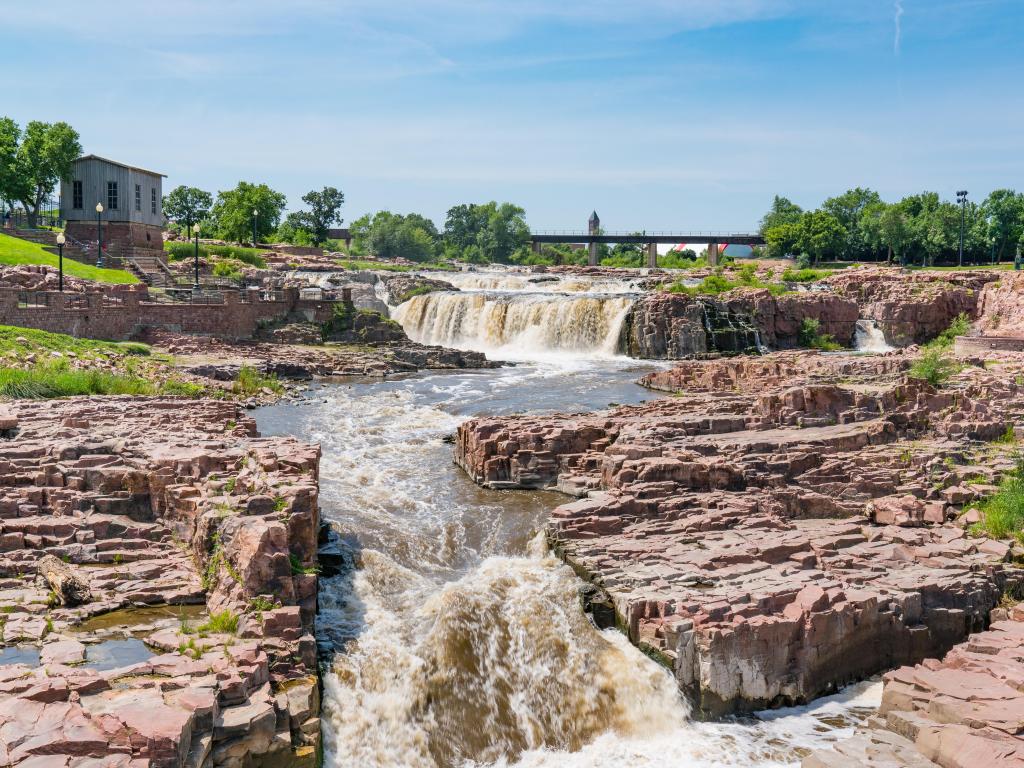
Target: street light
[
  {"x": 195, "y": 229},
  {"x": 99, "y": 236},
  {"x": 254, "y": 214},
  {"x": 60, "y": 261},
  {"x": 961, "y": 197}
]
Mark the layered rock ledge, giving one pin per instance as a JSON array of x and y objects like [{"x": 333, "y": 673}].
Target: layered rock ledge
[
  {"x": 191, "y": 543},
  {"x": 966, "y": 710},
  {"x": 784, "y": 525}
]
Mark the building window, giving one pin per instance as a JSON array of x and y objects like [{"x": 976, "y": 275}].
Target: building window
[
  {"x": 76, "y": 194},
  {"x": 152, "y": 200},
  {"x": 138, "y": 197},
  {"x": 112, "y": 195}
]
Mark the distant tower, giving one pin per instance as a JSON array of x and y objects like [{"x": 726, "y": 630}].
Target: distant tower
[{"x": 593, "y": 228}]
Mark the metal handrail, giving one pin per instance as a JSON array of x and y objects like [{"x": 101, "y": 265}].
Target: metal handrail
[{"x": 643, "y": 232}]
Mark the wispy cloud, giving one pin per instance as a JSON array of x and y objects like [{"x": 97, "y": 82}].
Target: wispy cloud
[{"x": 897, "y": 15}]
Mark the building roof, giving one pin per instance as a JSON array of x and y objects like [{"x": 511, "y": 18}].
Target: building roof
[
  {"x": 593, "y": 216},
  {"x": 122, "y": 165}
]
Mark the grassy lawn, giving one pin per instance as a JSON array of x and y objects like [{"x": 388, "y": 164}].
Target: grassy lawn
[
  {"x": 43, "y": 343},
  {"x": 14, "y": 250}
]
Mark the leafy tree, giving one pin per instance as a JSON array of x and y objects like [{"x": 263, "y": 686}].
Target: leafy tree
[
  {"x": 233, "y": 211},
  {"x": 10, "y": 180},
  {"x": 821, "y": 235},
  {"x": 187, "y": 205},
  {"x": 1004, "y": 211},
  {"x": 324, "y": 209},
  {"x": 490, "y": 232},
  {"x": 389, "y": 235},
  {"x": 783, "y": 211},
  {"x": 782, "y": 239},
  {"x": 894, "y": 232},
  {"x": 848, "y": 209},
  {"x": 46, "y": 155}
]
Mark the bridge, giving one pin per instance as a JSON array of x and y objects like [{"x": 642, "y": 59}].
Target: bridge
[{"x": 594, "y": 235}]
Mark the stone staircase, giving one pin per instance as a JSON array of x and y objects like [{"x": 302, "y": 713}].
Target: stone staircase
[{"x": 151, "y": 270}]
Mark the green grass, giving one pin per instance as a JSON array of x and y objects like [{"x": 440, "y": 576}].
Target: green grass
[
  {"x": 811, "y": 336},
  {"x": 713, "y": 285},
  {"x": 44, "y": 342},
  {"x": 252, "y": 382},
  {"x": 225, "y": 623},
  {"x": 1002, "y": 514},
  {"x": 299, "y": 568},
  {"x": 14, "y": 250},
  {"x": 804, "y": 275},
  {"x": 935, "y": 365},
  {"x": 358, "y": 265},
  {"x": 419, "y": 290},
  {"x": 178, "y": 250},
  {"x": 49, "y": 380}
]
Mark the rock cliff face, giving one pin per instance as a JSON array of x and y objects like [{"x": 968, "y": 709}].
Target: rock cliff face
[
  {"x": 966, "y": 710},
  {"x": 772, "y": 533},
  {"x": 667, "y": 326},
  {"x": 911, "y": 307},
  {"x": 1001, "y": 306},
  {"x": 168, "y": 503}
]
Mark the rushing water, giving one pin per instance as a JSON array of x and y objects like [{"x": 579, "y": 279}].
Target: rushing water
[
  {"x": 868, "y": 337},
  {"x": 459, "y": 641}
]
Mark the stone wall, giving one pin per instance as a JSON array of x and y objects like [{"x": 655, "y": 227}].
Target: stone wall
[
  {"x": 118, "y": 235},
  {"x": 120, "y": 314}
]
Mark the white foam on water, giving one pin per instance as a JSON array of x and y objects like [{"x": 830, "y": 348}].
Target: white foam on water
[{"x": 868, "y": 337}]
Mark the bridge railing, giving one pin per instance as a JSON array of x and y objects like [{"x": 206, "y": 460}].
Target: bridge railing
[{"x": 643, "y": 232}]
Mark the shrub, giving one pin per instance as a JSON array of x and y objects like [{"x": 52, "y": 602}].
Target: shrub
[
  {"x": 803, "y": 275},
  {"x": 1002, "y": 514},
  {"x": 811, "y": 336},
  {"x": 251, "y": 382},
  {"x": 934, "y": 365},
  {"x": 224, "y": 622},
  {"x": 960, "y": 326}
]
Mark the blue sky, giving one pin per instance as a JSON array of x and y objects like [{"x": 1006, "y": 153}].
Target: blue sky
[{"x": 661, "y": 114}]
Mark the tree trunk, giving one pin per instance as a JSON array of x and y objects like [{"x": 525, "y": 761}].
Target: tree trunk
[{"x": 69, "y": 587}]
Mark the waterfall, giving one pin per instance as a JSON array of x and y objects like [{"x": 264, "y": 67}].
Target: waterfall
[
  {"x": 517, "y": 325},
  {"x": 869, "y": 338}
]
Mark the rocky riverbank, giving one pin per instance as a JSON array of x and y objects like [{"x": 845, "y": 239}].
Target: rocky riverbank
[
  {"x": 966, "y": 710},
  {"x": 158, "y": 576},
  {"x": 785, "y": 525}
]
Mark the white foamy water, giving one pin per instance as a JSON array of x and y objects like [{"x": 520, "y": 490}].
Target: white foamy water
[
  {"x": 868, "y": 337},
  {"x": 517, "y": 326},
  {"x": 507, "y": 281},
  {"x": 459, "y": 641}
]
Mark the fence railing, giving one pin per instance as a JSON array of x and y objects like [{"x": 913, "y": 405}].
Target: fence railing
[{"x": 20, "y": 219}]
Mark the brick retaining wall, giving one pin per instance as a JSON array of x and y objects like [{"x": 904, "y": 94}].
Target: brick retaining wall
[
  {"x": 120, "y": 314},
  {"x": 970, "y": 346}
]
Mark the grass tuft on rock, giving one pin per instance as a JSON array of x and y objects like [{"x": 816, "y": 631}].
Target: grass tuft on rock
[
  {"x": 251, "y": 382},
  {"x": 223, "y": 622},
  {"x": 936, "y": 365},
  {"x": 1002, "y": 513},
  {"x": 811, "y": 336}
]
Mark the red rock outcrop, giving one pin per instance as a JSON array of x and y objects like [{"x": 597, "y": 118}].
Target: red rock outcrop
[
  {"x": 158, "y": 502},
  {"x": 1001, "y": 306},
  {"x": 911, "y": 307},
  {"x": 783, "y": 527},
  {"x": 965, "y": 711}
]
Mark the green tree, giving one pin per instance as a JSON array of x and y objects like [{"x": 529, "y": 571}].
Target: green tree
[
  {"x": 893, "y": 231},
  {"x": 233, "y": 211},
  {"x": 848, "y": 208},
  {"x": 46, "y": 155},
  {"x": 1003, "y": 210},
  {"x": 187, "y": 205},
  {"x": 783, "y": 211},
  {"x": 490, "y": 232},
  {"x": 389, "y": 235},
  {"x": 10, "y": 180},
  {"x": 782, "y": 239},
  {"x": 324, "y": 210},
  {"x": 821, "y": 235}
]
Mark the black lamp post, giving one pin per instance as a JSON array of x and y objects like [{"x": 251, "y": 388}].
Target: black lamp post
[
  {"x": 195, "y": 229},
  {"x": 60, "y": 261},
  {"x": 254, "y": 214},
  {"x": 99, "y": 235},
  {"x": 961, "y": 197}
]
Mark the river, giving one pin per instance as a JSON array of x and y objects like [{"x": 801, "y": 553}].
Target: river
[{"x": 459, "y": 641}]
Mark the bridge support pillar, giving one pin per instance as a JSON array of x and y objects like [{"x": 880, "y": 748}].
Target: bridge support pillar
[
  {"x": 652, "y": 255},
  {"x": 592, "y": 254},
  {"x": 712, "y": 254},
  {"x": 535, "y": 246}
]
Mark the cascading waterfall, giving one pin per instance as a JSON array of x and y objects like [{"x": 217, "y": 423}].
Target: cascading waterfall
[
  {"x": 869, "y": 338},
  {"x": 507, "y": 281},
  {"x": 517, "y": 324}
]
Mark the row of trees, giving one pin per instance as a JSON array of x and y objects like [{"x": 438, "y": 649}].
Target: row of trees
[
  {"x": 33, "y": 161},
  {"x": 479, "y": 233},
  {"x": 230, "y": 215},
  {"x": 919, "y": 229}
]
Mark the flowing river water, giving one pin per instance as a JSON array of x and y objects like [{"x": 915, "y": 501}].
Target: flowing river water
[{"x": 458, "y": 640}]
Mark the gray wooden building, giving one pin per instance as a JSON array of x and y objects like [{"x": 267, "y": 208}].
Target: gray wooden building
[{"x": 128, "y": 194}]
